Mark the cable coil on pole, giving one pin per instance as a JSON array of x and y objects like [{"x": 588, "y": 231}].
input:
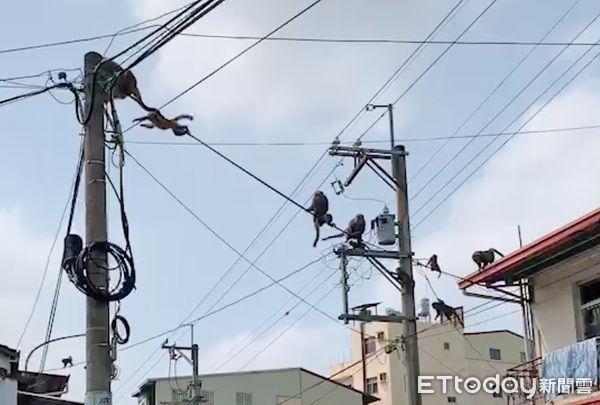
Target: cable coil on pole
[{"x": 76, "y": 261}]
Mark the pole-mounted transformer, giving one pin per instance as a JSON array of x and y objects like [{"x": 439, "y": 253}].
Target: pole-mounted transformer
[{"x": 385, "y": 227}]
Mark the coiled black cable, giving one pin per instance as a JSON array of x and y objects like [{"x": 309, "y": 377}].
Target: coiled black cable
[
  {"x": 114, "y": 326},
  {"x": 78, "y": 261}
]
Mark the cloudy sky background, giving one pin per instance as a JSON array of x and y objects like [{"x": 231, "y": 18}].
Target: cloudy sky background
[{"x": 280, "y": 92}]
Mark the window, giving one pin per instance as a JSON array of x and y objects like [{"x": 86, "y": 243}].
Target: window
[
  {"x": 380, "y": 335},
  {"x": 451, "y": 400},
  {"x": 523, "y": 357},
  {"x": 383, "y": 377},
  {"x": 207, "y": 398},
  {"x": 372, "y": 386},
  {"x": 370, "y": 345},
  {"x": 243, "y": 398},
  {"x": 590, "y": 308},
  {"x": 446, "y": 345},
  {"x": 495, "y": 354}
]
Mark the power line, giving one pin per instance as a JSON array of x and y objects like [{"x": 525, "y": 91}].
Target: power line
[
  {"x": 424, "y": 139},
  {"x": 411, "y": 57},
  {"x": 503, "y": 109},
  {"x": 400, "y": 41},
  {"x": 216, "y": 311},
  {"x": 491, "y": 94},
  {"x": 512, "y": 136},
  {"x": 230, "y": 61},
  {"x": 254, "y": 335},
  {"x": 431, "y": 65},
  {"x": 241, "y": 53},
  {"x": 49, "y": 256},
  {"x": 291, "y": 325}
]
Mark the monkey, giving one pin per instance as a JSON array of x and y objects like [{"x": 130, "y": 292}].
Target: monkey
[
  {"x": 485, "y": 257},
  {"x": 433, "y": 265},
  {"x": 319, "y": 208},
  {"x": 444, "y": 310},
  {"x": 125, "y": 83},
  {"x": 157, "y": 120},
  {"x": 67, "y": 362},
  {"x": 354, "y": 230}
]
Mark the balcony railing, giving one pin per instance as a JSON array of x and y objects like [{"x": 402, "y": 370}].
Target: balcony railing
[{"x": 566, "y": 375}]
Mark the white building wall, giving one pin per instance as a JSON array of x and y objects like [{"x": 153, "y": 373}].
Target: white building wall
[
  {"x": 557, "y": 319},
  {"x": 443, "y": 350},
  {"x": 266, "y": 387}
]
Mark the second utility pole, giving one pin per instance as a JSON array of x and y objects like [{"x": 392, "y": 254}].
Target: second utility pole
[
  {"x": 98, "y": 363},
  {"x": 409, "y": 327}
]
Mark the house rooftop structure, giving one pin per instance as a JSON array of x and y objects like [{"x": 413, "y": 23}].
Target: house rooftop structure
[
  {"x": 367, "y": 399},
  {"x": 550, "y": 249}
]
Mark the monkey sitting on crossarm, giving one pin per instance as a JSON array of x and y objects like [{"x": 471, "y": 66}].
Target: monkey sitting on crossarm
[
  {"x": 319, "y": 208},
  {"x": 354, "y": 230},
  {"x": 485, "y": 257},
  {"x": 157, "y": 120},
  {"x": 443, "y": 310}
]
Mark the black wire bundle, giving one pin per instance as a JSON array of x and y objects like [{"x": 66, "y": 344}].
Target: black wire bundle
[
  {"x": 77, "y": 259},
  {"x": 79, "y": 267}
]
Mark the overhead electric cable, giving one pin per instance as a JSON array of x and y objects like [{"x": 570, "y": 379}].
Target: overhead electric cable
[
  {"x": 494, "y": 91},
  {"x": 506, "y": 106}
]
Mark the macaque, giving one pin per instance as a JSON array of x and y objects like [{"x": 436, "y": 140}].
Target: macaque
[
  {"x": 157, "y": 120},
  {"x": 67, "y": 362},
  {"x": 319, "y": 208},
  {"x": 125, "y": 84},
  {"x": 354, "y": 230},
  {"x": 485, "y": 257},
  {"x": 433, "y": 265},
  {"x": 443, "y": 310}
]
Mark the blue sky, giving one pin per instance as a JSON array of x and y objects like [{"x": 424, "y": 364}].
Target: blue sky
[{"x": 286, "y": 92}]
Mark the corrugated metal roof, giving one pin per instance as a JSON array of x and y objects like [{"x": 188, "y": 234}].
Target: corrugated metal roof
[{"x": 545, "y": 251}]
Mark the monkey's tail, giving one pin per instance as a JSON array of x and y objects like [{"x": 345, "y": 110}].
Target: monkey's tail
[
  {"x": 339, "y": 235},
  {"x": 138, "y": 99},
  {"x": 184, "y": 117},
  {"x": 140, "y": 119}
]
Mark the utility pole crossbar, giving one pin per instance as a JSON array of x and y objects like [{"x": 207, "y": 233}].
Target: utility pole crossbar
[
  {"x": 378, "y": 254},
  {"x": 374, "y": 318}
]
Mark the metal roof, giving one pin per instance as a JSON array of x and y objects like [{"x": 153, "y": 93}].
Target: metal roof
[{"x": 550, "y": 249}]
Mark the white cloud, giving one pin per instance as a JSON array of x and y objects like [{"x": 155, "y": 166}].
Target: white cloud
[{"x": 295, "y": 90}]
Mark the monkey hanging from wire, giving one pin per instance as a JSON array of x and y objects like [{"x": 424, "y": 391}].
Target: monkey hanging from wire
[
  {"x": 319, "y": 208},
  {"x": 122, "y": 83},
  {"x": 484, "y": 258},
  {"x": 354, "y": 230},
  {"x": 433, "y": 265},
  {"x": 157, "y": 120}
]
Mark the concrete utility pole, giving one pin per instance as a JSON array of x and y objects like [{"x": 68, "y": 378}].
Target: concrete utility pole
[
  {"x": 409, "y": 326},
  {"x": 98, "y": 363},
  {"x": 196, "y": 385}
]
